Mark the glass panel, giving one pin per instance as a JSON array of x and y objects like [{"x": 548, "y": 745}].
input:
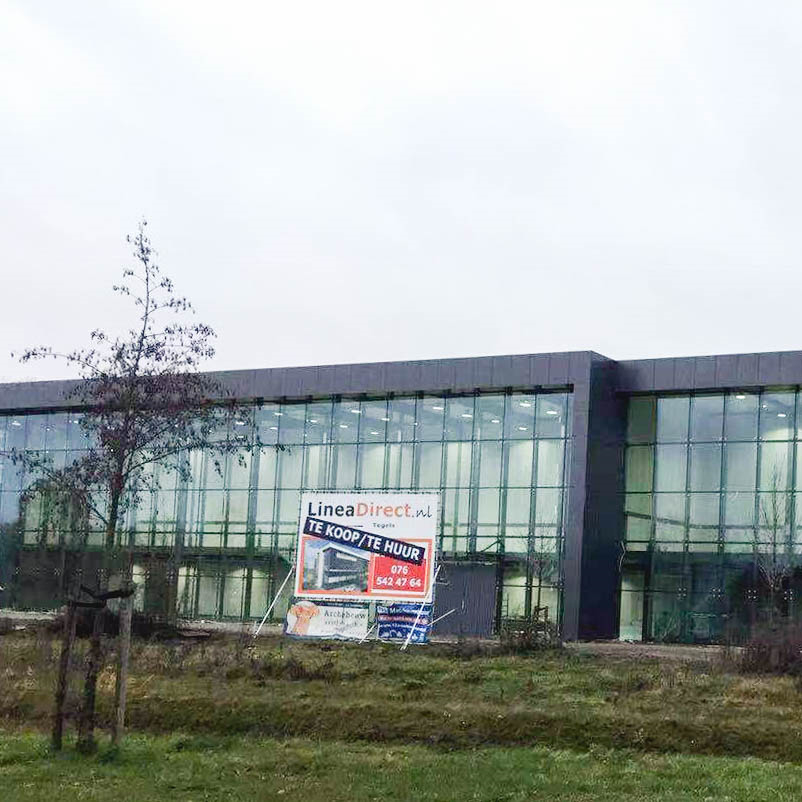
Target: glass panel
[
  {"x": 400, "y": 466},
  {"x": 740, "y": 466},
  {"x": 519, "y": 463},
  {"x": 741, "y": 418},
  {"x": 459, "y": 418},
  {"x": 490, "y": 464},
  {"x": 707, "y": 417},
  {"x": 669, "y": 516},
  {"x": 776, "y": 416},
  {"x": 345, "y": 427},
  {"x": 237, "y": 506},
  {"x": 36, "y": 429},
  {"x": 704, "y": 516},
  {"x": 371, "y": 465},
  {"x": 519, "y": 420},
  {"x": 458, "y": 464},
  {"x": 671, "y": 468},
  {"x": 705, "y": 466},
  {"x": 550, "y": 418},
  {"x": 489, "y": 417},
  {"x": 290, "y": 464},
  {"x": 291, "y": 423},
  {"x": 268, "y": 457},
  {"x": 316, "y": 467},
  {"x": 15, "y": 432},
  {"x": 344, "y": 466},
  {"x": 672, "y": 419},
  {"x": 373, "y": 421},
  {"x": 318, "y": 422},
  {"x": 518, "y": 503},
  {"x": 739, "y": 509},
  {"x": 239, "y": 469},
  {"x": 775, "y": 466},
  {"x": 639, "y": 516},
  {"x": 401, "y": 426},
  {"x": 267, "y": 421},
  {"x": 549, "y": 463},
  {"x": 641, "y": 420},
  {"x": 488, "y": 508},
  {"x": 773, "y": 510},
  {"x": 56, "y": 431},
  {"x": 639, "y": 468},
  {"x": 430, "y": 418},
  {"x": 429, "y": 456},
  {"x": 547, "y": 506}
]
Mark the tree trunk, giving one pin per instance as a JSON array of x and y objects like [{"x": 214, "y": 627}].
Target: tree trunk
[
  {"x": 86, "y": 724},
  {"x": 67, "y": 641},
  {"x": 118, "y": 725}
]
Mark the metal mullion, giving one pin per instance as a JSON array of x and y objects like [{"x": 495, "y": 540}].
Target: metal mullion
[
  {"x": 473, "y": 482},
  {"x": 530, "y": 539},
  {"x": 686, "y": 535}
]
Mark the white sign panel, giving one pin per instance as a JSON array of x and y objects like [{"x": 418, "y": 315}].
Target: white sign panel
[{"x": 362, "y": 546}]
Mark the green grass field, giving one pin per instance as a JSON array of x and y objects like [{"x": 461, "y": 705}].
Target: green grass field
[{"x": 290, "y": 720}]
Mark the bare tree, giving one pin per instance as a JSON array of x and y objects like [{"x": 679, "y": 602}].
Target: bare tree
[
  {"x": 774, "y": 558},
  {"x": 144, "y": 403}
]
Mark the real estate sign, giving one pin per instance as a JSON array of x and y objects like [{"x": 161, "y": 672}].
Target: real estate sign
[
  {"x": 310, "y": 619},
  {"x": 363, "y": 546}
]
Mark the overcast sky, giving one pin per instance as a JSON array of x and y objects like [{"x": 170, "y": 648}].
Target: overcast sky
[{"x": 343, "y": 182}]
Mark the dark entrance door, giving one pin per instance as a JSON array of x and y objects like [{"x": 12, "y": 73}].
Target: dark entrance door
[{"x": 469, "y": 589}]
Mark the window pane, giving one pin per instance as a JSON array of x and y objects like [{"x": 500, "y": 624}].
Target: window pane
[
  {"x": 400, "y": 466},
  {"x": 775, "y": 466},
  {"x": 371, "y": 465},
  {"x": 318, "y": 422},
  {"x": 489, "y": 417},
  {"x": 345, "y": 427},
  {"x": 705, "y": 466},
  {"x": 549, "y": 463},
  {"x": 641, "y": 420},
  {"x": 429, "y": 456},
  {"x": 316, "y": 467},
  {"x": 430, "y": 418},
  {"x": 344, "y": 466},
  {"x": 290, "y": 463},
  {"x": 740, "y": 466},
  {"x": 291, "y": 423},
  {"x": 550, "y": 419},
  {"x": 519, "y": 463},
  {"x": 704, "y": 515},
  {"x": 739, "y": 509},
  {"x": 672, "y": 419},
  {"x": 373, "y": 421},
  {"x": 639, "y": 468},
  {"x": 458, "y": 464},
  {"x": 547, "y": 505},
  {"x": 518, "y": 503},
  {"x": 776, "y": 416},
  {"x": 670, "y": 516},
  {"x": 401, "y": 426},
  {"x": 267, "y": 421},
  {"x": 490, "y": 464},
  {"x": 671, "y": 468},
  {"x": 741, "y": 418},
  {"x": 488, "y": 508},
  {"x": 773, "y": 509},
  {"x": 707, "y": 417},
  {"x": 459, "y": 418},
  {"x": 519, "y": 420}
]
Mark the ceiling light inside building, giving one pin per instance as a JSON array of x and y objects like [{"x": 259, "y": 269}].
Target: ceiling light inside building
[
  {"x": 525, "y": 403},
  {"x": 522, "y": 428},
  {"x": 740, "y": 397},
  {"x": 495, "y": 420},
  {"x": 551, "y": 411},
  {"x": 438, "y": 409}
]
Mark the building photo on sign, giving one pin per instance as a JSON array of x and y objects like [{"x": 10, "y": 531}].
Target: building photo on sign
[{"x": 367, "y": 546}]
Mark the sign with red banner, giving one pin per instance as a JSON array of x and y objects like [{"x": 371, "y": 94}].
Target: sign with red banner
[{"x": 367, "y": 545}]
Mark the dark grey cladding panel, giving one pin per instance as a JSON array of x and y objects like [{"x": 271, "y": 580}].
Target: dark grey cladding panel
[
  {"x": 791, "y": 367},
  {"x": 35, "y": 394},
  {"x": 704, "y": 372},
  {"x": 428, "y": 376},
  {"x": 636, "y": 375},
  {"x": 684, "y": 372},
  {"x": 559, "y": 369},
  {"x": 366, "y": 378},
  {"x": 446, "y": 374},
  {"x": 509, "y": 372},
  {"x": 483, "y": 371},
  {"x": 727, "y": 370},
  {"x": 664, "y": 374},
  {"x": 747, "y": 369},
  {"x": 768, "y": 371},
  {"x": 539, "y": 369},
  {"x": 325, "y": 378}
]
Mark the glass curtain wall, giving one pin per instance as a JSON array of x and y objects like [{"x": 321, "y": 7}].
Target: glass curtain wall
[
  {"x": 712, "y": 545},
  {"x": 499, "y": 461}
]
